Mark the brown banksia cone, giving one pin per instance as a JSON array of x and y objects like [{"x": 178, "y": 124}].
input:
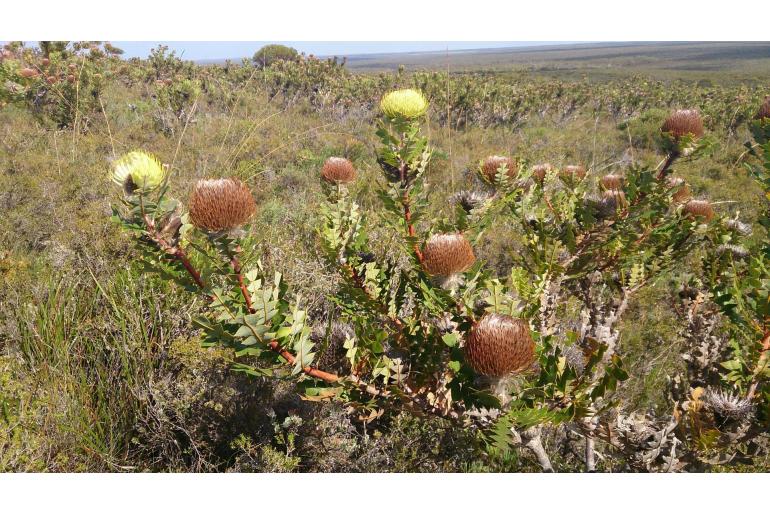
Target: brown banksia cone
[
  {"x": 540, "y": 171},
  {"x": 70, "y": 78},
  {"x": 573, "y": 172},
  {"x": 447, "y": 254},
  {"x": 612, "y": 181},
  {"x": 764, "y": 110},
  {"x": 699, "y": 209},
  {"x": 338, "y": 170},
  {"x": 46, "y": 61},
  {"x": 492, "y": 164},
  {"x": 28, "y": 73},
  {"x": 498, "y": 345},
  {"x": 681, "y": 189},
  {"x": 683, "y": 122},
  {"x": 218, "y": 205},
  {"x": 52, "y": 79}
]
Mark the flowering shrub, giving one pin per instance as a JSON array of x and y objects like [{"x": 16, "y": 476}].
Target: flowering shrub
[{"x": 428, "y": 328}]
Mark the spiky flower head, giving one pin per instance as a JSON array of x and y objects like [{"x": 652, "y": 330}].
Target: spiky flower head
[
  {"x": 469, "y": 200},
  {"x": 573, "y": 172},
  {"x": 683, "y": 122},
  {"x": 219, "y": 205},
  {"x": 728, "y": 405},
  {"x": 699, "y": 209},
  {"x": 680, "y": 188},
  {"x": 447, "y": 254},
  {"x": 612, "y": 181},
  {"x": 539, "y": 171},
  {"x": 28, "y": 73},
  {"x": 408, "y": 104},
  {"x": 498, "y": 345},
  {"x": 138, "y": 170},
  {"x": 338, "y": 170},
  {"x": 741, "y": 228},
  {"x": 491, "y": 165},
  {"x": 736, "y": 251}
]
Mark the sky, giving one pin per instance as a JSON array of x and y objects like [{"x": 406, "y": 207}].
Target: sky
[{"x": 198, "y": 50}]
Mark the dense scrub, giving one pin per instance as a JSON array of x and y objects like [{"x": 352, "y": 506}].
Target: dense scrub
[{"x": 98, "y": 368}]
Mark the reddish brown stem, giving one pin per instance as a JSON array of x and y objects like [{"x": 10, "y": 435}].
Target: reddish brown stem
[
  {"x": 241, "y": 283},
  {"x": 667, "y": 164},
  {"x": 181, "y": 255},
  {"x": 312, "y": 372}
]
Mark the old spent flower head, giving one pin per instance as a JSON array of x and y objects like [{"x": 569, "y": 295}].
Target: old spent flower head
[
  {"x": 697, "y": 208},
  {"x": 612, "y": 181},
  {"x": 338, "y": 170},
  {"x": 469, "y": 200},
  {"x": 407, "y": 104},
  {"x": 683, "y": 122},
  {"x": 447, "y": 254},
  {"x": 728, "y": 405},
  {"x": 539, "y": 171},
  {"x": 493, "y": 164},
  {"x": 138, "y": 170},
  {"x": 498, "y": 345},
  {"x": 220, "y": 205}
]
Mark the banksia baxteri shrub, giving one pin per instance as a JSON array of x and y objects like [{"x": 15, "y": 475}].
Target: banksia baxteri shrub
[
  {"x": 498, "y": 345},
  {"x": 491, "y": 165},
  {"x": 218, "y": 205},
  {"x": 573, "y": 172},
  {"x": 699, "y": 209},
  {"x": 680, "y": 188},
  {"x": 408, "y": 104},
  {"x": 338, "y": 170},
  {"x": 612, "y": 181},
  {"x": 138, "y": 170},
  {"x": 683, "y": 122},
  {"x": 447, "y": 254}
]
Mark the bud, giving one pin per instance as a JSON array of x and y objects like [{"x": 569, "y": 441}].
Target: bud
[
  {"x": 70, "y": 78},
  {"x": 681, "y": 191},
  {"x": 741, "y": 228},
  {"x": 699, "y": 209},
  {"x": 447, "y": 254},
  {"x": 492, "y": 164},
  {"x": 52, "y": 79},
  {"x": 138, "y": 170},
  {"x": 408, "y": 104},
  {"x": 72, "y": 67},
  {"x": 220, "y": 204},
  {"x": 338, "y": 170},
  {"x": 28, "y": 73},
  {"x": 46, "y": 61},
  {"x": 498, "y": 345},
  {"x": 683, "y": 122},
  {"x": 612, "y": 181}
]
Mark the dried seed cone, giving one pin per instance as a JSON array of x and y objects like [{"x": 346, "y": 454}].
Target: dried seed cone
[
  {"x": 681, "y": 189},
  {"x": 492, "y": 164},
  {"x": 699, "y": 209},
  {"x": 447, "y": 254},
  {"x": 574, "y": 172},
  {"x": 612, "y": 181},
  {"x": 540, "y": 171},
  {"x": 614, "y": 199},
  {"x": 220, "y": 204},
  {"x": 338, "y": 170},
  {"x": 683, "y": 122},
  {"x": 498, "y": 345}
]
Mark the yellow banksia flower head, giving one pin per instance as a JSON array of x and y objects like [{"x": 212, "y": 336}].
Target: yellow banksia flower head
[
  {"x": 408, "y": 104},
  {"x": 138, "y": 170}
]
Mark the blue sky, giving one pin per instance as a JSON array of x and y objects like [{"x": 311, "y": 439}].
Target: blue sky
[{"x": 196, "y": 50}]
